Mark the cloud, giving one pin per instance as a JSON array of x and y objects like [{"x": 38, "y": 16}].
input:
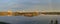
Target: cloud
[{"x": 28, "y": 5}]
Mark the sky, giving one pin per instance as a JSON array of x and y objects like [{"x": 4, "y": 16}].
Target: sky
[{"x": 29, "y": 5}]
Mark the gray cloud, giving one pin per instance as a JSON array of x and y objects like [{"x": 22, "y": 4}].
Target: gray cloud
[{"x": 29, "y": 5}]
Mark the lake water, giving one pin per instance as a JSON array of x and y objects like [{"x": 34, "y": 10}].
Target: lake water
[{"x": 42, "y": 19}]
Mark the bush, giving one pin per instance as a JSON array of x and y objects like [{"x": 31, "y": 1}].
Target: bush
[{"x": 4, "y": 23}]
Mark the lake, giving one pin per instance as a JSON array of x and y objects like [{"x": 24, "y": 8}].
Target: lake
[{"x": 42, "y": 19}]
